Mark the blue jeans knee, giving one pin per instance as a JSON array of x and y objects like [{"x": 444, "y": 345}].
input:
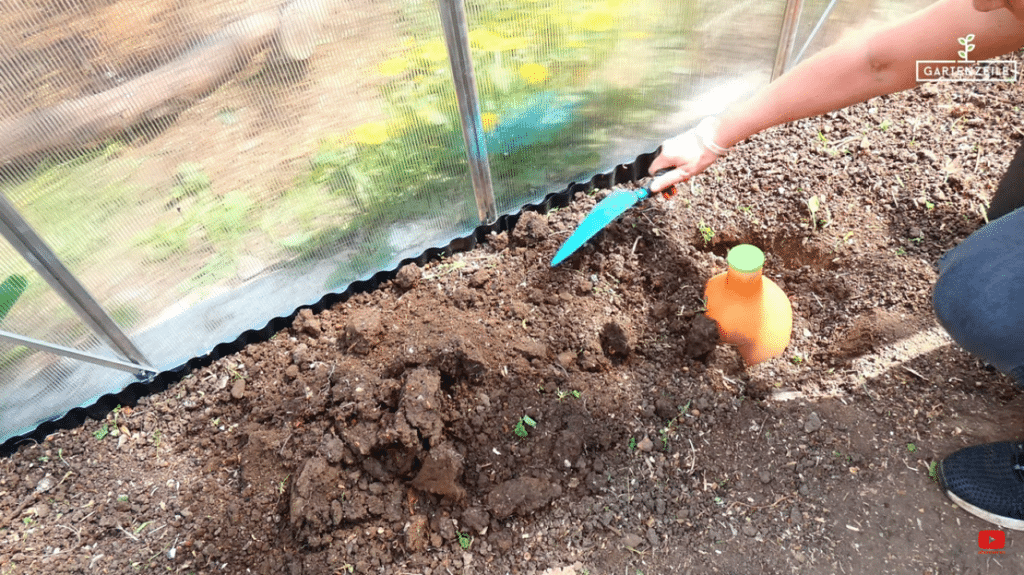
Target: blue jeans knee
[{"x": 979, "y": 296}]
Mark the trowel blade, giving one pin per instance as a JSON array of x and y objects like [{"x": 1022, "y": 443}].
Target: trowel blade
[{"x": 603, "y": 214}]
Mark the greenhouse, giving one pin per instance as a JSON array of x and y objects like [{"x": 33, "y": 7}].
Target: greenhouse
[{"x": 279, "y": 291}]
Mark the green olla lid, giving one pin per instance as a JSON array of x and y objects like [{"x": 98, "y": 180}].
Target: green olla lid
[{"x": 745, "y": 258}]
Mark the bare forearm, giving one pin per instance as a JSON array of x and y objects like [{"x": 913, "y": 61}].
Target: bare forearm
[
  {"x": 871, "y": 64},
  {"x": 878, "y": 62},
  {"x": 838, "y": 77}
]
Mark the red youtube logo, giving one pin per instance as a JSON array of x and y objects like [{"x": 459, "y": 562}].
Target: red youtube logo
[{"x": 991, "y": 539}]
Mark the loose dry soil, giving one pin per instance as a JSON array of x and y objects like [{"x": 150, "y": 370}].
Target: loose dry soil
[{"x": 380, "y": 436}]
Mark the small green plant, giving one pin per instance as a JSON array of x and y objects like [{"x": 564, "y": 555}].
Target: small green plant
[
  {"x": 29, "y": 520},
  {"x": 911, "y": 447},
  {"x": 932, "y": 470},
  {"x": 575, "y": 394},
  {"x": 520, "y": 428},
  {"x": 829, "y": 147},
  {"x": 122, "y": 497},
  {"x": 797, "y": 359},
  {"x": 632, "y": 444},
  {"x": 102, "y": 432},
  {"x": 282, "y": 485},
  {"x": 885, "y": 125},
  {"x": 156, "y": 438},
  {"x": 815, "y": 204},
  {"x": 465, "y": 540},
  {"x": 928, "y": 205},
  {"x": 707, "y": 233}
]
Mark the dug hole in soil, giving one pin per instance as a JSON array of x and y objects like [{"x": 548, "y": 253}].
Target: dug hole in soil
[{"x": 487, "y": 413}]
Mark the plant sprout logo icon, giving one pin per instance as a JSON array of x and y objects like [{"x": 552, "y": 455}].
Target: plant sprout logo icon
[{"x": 966, "y": 43}]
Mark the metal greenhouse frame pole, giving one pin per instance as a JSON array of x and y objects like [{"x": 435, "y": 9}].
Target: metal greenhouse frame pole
[
  {"x": 18, "y": 339},
  {"x": 35, "y": 251},
  {"x": 456, "y": 35},
  {"x": 787, "y": 37},
  {"x": 817, "y": 28}
]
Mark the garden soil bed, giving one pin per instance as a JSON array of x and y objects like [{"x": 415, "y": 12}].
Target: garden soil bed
[{"x": 386, "y": 434}]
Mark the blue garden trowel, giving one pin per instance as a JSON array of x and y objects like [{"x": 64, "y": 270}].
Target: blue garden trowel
[{"x": 603, "y": 214}]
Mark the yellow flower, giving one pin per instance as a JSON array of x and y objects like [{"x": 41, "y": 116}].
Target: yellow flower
[
  {"x": 489, "y": 121},
  {"x": 393, "y": 67},
  {"x": 598, "y": 21},
  {"x": 491, "y": 42},
  {"x": 371, "y": 133},
  {"x": 534, "y": 73},
  {"x": 434, "y": 51}
]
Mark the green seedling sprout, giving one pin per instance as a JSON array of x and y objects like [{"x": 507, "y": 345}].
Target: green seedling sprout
[
  {"x": 520, "y": 428},
  {"x": 465, "y": 540},
  {"x": 815, "y": 204},
  {"x": 102, "y": 432},
  {"x": 706, "y": 232}
]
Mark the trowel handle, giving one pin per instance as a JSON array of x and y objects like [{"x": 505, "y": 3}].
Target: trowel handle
[{"x": 669, "y": 191}]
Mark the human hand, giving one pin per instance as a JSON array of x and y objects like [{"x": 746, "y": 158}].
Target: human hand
[{"x": 690, "y": 153}]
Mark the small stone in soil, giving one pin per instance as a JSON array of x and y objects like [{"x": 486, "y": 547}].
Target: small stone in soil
[
  {"x": 238, "y": 389},
  {"x": 645, "y": 445},
  {"x": 615, "y": 341},
  {"x": 631, "y": 540},
  {"x": 812, "y": 423}
]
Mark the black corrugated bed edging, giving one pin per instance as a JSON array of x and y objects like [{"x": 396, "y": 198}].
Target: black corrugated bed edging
[{"x": 130, "y": 395}]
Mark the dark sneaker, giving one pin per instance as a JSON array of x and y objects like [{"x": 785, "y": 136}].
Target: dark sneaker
[{"x": 987, "y": 481}]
